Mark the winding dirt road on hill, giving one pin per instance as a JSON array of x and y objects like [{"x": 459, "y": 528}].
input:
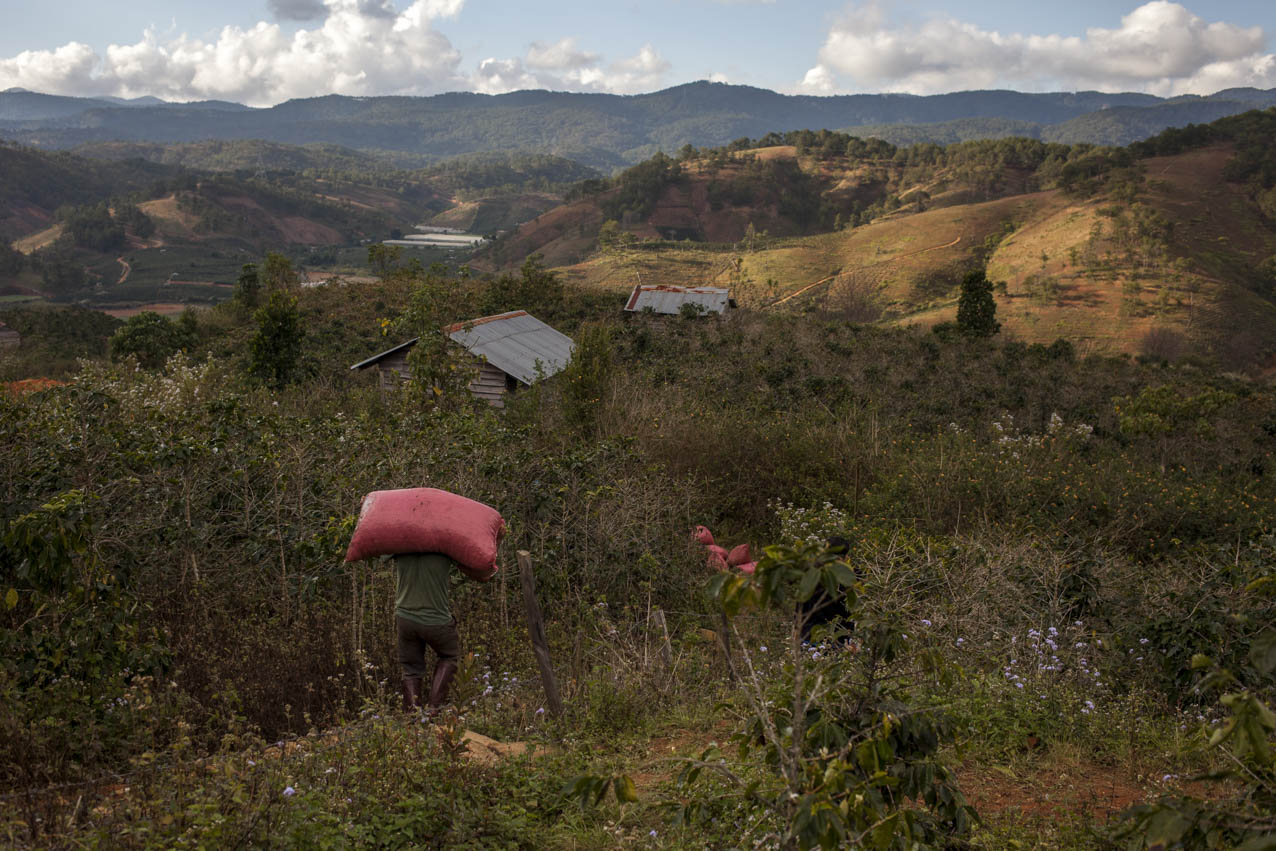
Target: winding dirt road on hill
[
  {"x": 798, "y": 292},
  {"x": 932, "y": 248},
  {"x": 125, "y": 270}
]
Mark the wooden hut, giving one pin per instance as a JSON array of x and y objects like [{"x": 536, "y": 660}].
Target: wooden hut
[{"x": 509, "y": 349}]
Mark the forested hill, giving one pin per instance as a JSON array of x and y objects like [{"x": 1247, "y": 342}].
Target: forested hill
[{"x": 609, "y": 130}]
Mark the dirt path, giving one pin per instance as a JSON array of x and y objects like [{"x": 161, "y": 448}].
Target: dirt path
[
  {"x": 125, "y": 268},
  {"x": 932, "y": 248},
  {"x": 812, "y": 286},
  {"x": 804, "y": 289}
]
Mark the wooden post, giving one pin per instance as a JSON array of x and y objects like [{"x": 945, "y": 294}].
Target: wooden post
[
  {"x": 724, "y": 639},
  {"x": 666, "y": 651},
  {"x": 536, "y": 629}
]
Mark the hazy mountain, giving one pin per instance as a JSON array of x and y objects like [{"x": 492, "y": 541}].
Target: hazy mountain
[
  {"x": 20, "y": 105},
  {"x": 606, "y": 130}
]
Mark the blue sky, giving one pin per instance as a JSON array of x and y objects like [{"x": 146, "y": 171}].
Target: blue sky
[{"x": 263, "y": 51}]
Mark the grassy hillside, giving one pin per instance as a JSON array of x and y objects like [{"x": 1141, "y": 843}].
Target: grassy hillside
[
  {"x": 1040, "y": 544},
  {"x": 1116, "y": 250}
]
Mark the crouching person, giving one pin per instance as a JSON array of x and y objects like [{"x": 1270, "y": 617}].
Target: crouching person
[{"x": 423, "y": 614}]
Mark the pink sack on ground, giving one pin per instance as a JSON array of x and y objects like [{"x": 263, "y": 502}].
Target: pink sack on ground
[
  {"x": 428, "y": 520},
  {"x": 739, "y": 555},
  {"x": 748, "y": 567},
  {"x": 717, "y": 557},
  {"x": 702, "y": 535}
]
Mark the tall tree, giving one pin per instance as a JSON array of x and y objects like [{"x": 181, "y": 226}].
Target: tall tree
[
  {"x": 276, "y": 348},
  {"x": 150, "y": 338},
  {"x": 277, "y": 272},
  {"x": 248, "y": 287},
  {"x": 976, "y": 310}
]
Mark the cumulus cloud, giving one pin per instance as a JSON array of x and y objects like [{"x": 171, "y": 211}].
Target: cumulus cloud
[
  {"x": 563, "y": 67},
  {"x": 1160, "y": 47},
  {"x": 560, "y": 56},
  {"x": 359, "y": 47},
  {"x": 362, "y": 47}
]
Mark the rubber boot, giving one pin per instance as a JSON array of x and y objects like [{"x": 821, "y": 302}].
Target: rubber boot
[
  {"x": 411, "y": 693},
  {"x": 443, "y": 674}
]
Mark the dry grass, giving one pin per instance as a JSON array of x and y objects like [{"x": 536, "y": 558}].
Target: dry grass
[
  {"x": 40, "y": 239},
  {"x": 169, "y": 219}
]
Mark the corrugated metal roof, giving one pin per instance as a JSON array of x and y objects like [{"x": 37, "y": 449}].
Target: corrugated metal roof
[
  {"x": 376, "y": 358},
  {"x": 515, "y": 343},
  {"x": 665, "y": 299}
]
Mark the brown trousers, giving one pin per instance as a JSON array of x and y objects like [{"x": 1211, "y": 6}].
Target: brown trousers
[{"x": 415, "y": 637}]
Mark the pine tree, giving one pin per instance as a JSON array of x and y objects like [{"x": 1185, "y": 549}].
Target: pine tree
[{"x": 976, "y": 311}]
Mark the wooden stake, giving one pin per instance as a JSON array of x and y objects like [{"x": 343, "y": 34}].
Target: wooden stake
[
  {"x": 536, "y": 629},
  {"x": 666, "y": 650},
  {"x": 724, "y": 641}
]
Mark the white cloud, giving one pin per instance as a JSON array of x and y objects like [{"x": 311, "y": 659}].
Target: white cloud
[
  {"x": 1160, "y": 47},
  {"x": 562, "y": 67},
  {"x": 362, "y": 47},
  {"x": 562, "y": 55}
]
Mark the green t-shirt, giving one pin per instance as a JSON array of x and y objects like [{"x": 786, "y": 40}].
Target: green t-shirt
[{"x": 423, "y": 588}]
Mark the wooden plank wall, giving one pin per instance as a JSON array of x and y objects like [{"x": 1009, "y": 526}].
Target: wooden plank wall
[
  {"x": 489, "y": 385},
  {"x": 394, "y": 370}
]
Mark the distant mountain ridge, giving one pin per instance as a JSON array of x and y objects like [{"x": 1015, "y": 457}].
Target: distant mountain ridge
[{"x": 603, "y": 130}]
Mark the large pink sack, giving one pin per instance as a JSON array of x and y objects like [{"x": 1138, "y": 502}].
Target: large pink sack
[
  {"x": 428, "y": 520},
  {"x": 739, "y": 555},
  {"x": 716, "y": 557},
  {"x": 701, "y": 535}
]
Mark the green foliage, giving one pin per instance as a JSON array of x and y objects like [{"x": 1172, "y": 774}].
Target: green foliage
[
  {"x": 133, "y": 219},
  {"x": 1168, "y": 418},
  {"x": 1245, "y": 816},
  {"x": 60, "y": 273},
  {"x": 276, "y": 347},
  {"x": 976, "y": 309},
  {"x": 988, "y": 488},
  {"x": 587, "y": 379},
  {"x": 638, "y": 188},
  {"x": 852, "y": 761},
  {"x": 1163, "y": 410},
  {"x": 53, "y": 338},
  {"x": 248, "y": 287},
  {"x": 536, "y": 290},
  {"x": 440, "y": 369},
  {"x": 486, "y": 174},
  {"x": 150, "y": 338},
  {"x": 277, "y": 273},
  {"x": 12, "y": 261},
  {"x": 93, "y": 228},
  {"x": 385, "y": 260},
  {"x": 75, "y": 646}
]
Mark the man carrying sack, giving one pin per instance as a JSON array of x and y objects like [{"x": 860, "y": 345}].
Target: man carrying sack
[
  {"x": 428, "y": 532},
  {"x": 423, "y": 616}
]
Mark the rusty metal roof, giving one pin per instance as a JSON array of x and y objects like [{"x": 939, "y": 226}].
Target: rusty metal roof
[
  {"x": 516, "y": 343},
  {"x": 666, "y": 299}
]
